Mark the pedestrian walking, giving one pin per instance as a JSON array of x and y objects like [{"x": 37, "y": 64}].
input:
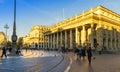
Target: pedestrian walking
[
  {"x": 18, "y": 51},
  {"x": 83, "y": 52},
  {"x": 79, "y": 54},
  {"x": 10, "y": 49},
  {"x": 4, "y": 52},
  {"x": 89, "y": 54},
  {"x": 27, "y": 48},
  {"x": 59, "y": 50},
  {"x": 76, "y": 51}
]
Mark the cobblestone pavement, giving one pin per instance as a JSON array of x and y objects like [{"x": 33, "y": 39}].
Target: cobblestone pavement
[
  {"x": 44, "y": 61},
  {"x": 101, "y": 63},
  {"x": 35, "y": 61}
]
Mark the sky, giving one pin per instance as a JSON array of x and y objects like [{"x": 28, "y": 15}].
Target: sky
[{"x": 45, "y": 12}]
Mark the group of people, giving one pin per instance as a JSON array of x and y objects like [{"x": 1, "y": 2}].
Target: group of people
[
  {"x": 80, "y": 53},
  {"x": 83, "y": 52},
  {"x": 4, "y": 51}
]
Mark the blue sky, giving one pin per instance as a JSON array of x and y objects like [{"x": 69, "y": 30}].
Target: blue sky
[{"x": 46, "y": 12}]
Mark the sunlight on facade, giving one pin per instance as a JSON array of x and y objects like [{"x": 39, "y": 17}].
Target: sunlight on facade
[
  {"x": 35, "y": 38},
  {"x": 2, "y": 39},
  {"x": 98, "y": 27}
]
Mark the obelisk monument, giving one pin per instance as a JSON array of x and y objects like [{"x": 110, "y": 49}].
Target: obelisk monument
[{"x": 14, "y": 36}]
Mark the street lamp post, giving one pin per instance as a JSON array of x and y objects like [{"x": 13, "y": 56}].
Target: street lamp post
[{"x": 6, "y": 27}]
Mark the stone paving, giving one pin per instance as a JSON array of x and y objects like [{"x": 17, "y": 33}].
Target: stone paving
[
  {"x": 35, "y": 61},
  {"x": 44, "y": 61},
  {"x": 101, "y": 63}
]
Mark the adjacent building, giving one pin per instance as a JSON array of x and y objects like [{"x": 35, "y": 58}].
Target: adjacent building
[
  {"x": 35, "y": 38},
  {"x": 2, "y": 39},
  {"x": 98, "y": 27}
]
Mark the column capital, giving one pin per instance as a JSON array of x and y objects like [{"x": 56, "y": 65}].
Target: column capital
[
  {"x": 92, "y": 25},
  {"x": 110, "y": 28},
  {"x": 83, "y": 27},
  {"x": 118, "y": 30},
  {"x": 99, "y": 26},
  {"x": 79, "y": 28},
  {"x": 106, "y": 27},
  {"x": 76, "y": 27}
]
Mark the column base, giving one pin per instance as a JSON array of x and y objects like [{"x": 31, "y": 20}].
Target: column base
[{"x": 14, "y": 53}]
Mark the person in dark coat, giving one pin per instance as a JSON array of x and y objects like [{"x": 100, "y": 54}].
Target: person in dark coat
[
  {"x": 4, "y": 52},
  {"x": 89, "y": 54},
  {"x": 76, "y": 51},
  {"x": 83, "y": 52},
  {"x": 10, "y": 49}
]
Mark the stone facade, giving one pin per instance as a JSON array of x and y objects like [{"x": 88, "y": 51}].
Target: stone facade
[
  {"x": 2, "y": 39},
  {"x": 35, "y": 38},
  {"x": 99, "y": 27}
]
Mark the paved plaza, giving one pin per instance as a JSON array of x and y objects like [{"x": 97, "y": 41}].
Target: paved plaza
[
  {"x": 101, "y": 63},
  {"x": 51, "y": 61},
  {"x": 35, "y": 61}
]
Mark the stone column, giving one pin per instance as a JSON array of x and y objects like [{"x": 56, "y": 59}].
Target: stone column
[
  {"x": 48, "y": 44},
  {"x": 66, "y": 44},
  {"x": 54, "y": 41},
  {"x": 119, "y": 40},
  {"x": 92, "y": 36},
  {"x": 48, "y": 41},
  {"x": 51, "y": 41},
  {"x": 106, "y": 31},
  {"x": 43, "y": 46},
  {"x": 115, "y": 39},
  {"x": 83, "y": 35},
  {"x": 80, "y": 38},
  {"x": 61, "y": 38},
  {"x": 57, "y": 41},
  {"x": 100, "y": 37},
  {"x": 77, "y": 37},
  {"x": 89, "y": 34},
  {"x": 111, "y": 38},
  {"x": 71, "y": 42}
]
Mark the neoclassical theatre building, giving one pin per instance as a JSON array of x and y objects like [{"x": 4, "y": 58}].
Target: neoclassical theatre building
[{"x": 99, "y": 27}]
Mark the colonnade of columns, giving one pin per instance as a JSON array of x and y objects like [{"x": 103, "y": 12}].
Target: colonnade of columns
[
  {"x": 108, "y": 38},
  {"x": 70, "y": 38},
  {"x": 105, "y": 38}
]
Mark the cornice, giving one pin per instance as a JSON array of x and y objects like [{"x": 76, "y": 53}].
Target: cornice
[
  {"x": 96, "y": 13},
  {"x": 108, "y": 10}
]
